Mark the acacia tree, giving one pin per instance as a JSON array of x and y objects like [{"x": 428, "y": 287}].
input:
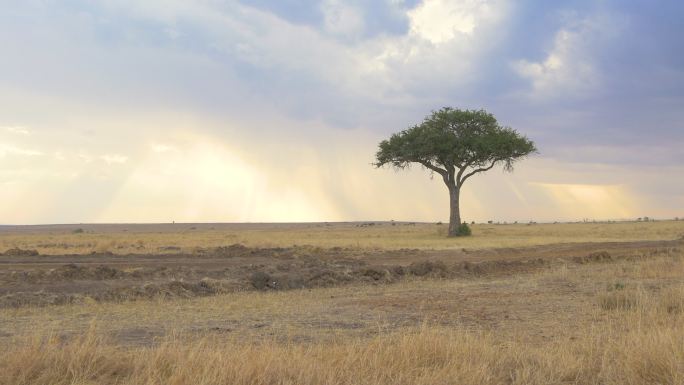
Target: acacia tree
[{"x": 456, "y": 144}]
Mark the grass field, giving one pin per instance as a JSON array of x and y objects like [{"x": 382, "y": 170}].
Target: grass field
[
  {"x": 584, "y": 313},
  {"x": 121, "y": 239}
]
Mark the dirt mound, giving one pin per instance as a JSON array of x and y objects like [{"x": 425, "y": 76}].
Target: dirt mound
[
  {"x": 308, "y": 279},
  {"x": 317, "y": 274},
  {"x": 17, "y": 252},
  {"x": 428, "y": 268},
  {"x": 303, "y": 270},
  {"x": 313, "y": 273},
  {"x": 328, "y": 278},
  {"x": 439, "y": 269},
  {"x": 72, "y": 278},
  {"x": 17, "y": 300},
  {"x": 68, "y": 272},
  {"x": 234, "y": 250},
  {"x": 238, "y": 250},
  {"x": 599, "y": 256},
  {"x": 375, "y": 273},
  {"x": 73, "y": 271},
  {"x": 380, "y": 274},
  {"x": 496, "y": 267},
  {"x": 167, "y": 290},
  {"x": 173, "y": 289},
  {"x": 262, "y": 281}
]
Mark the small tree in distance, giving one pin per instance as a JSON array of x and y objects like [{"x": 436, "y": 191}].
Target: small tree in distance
[{"x": 456, "y": 144}]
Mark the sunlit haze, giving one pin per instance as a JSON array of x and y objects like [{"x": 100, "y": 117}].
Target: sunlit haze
[{"x": 272, "y": 111}]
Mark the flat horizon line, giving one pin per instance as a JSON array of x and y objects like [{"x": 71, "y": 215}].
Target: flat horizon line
[{"x": 520, "y": 222}]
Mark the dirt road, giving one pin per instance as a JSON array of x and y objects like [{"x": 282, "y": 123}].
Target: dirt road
[{"x": 43, "y": 280}]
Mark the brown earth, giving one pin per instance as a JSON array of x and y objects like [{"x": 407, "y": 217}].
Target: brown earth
[{"x": 27, "y": 279}]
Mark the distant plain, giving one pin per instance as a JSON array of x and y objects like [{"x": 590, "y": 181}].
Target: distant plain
[{"x": 155, "y": 238}]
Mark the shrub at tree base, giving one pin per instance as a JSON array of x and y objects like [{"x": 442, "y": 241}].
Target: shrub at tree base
[{"x": 464, "y": 230}]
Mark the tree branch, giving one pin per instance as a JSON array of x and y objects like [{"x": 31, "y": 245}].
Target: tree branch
[
  {"x": 433, "y": 167},
  {"x": 449, "y": 177},
  {"x": 475, "y": 171},
  {"x": 461, "y": 170}
]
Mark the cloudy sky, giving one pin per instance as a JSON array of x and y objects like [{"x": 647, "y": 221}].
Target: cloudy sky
[{"x": 209, "y": 110}]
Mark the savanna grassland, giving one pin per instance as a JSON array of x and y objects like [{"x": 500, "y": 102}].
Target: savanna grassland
[
  {"x": 162, "y": 238},
  {"x": 583, "y": 303}
]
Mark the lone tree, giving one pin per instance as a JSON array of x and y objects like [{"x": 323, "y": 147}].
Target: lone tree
[{"x": 456, "y": 144}]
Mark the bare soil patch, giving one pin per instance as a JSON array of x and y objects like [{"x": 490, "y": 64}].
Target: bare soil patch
[{"x": 27, "y": 279}]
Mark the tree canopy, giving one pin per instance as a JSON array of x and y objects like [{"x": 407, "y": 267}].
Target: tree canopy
[{"x": 458, "y": 143}]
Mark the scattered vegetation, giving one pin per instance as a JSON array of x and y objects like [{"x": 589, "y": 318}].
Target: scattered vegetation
[
  {"x": 212, "y": 309},
  {"x": 18, "y": 252},
  {"x": 628, "y": 331},
  {"x": 158, "y": 239},
  {"x": 464, "y": 230}
]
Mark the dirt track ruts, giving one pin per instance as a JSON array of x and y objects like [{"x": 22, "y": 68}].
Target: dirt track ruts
[
  {"x": 44, "y": 280},
  {"x": 401, "y": 256}
]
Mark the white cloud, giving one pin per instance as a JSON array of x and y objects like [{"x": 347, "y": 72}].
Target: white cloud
[
  {"x": 284, "y": 172},
  {"x": 569, "y": 68},
  {"x": 440, "y": 21},
  {"x": 160, "y": 147},
  {"x": 445, "y": 40},
  {"x": 342, "y": 19},
  {"x": 84, "y": 157},
  {"x": 13, "y": 150},
  {"x": 114, "y": 158},
  {"x": 17, "y": 130}
]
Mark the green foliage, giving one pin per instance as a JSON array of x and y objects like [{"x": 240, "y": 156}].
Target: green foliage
[
  {"x": 453, "y": 139},
  {"x": 616, "y": 286},
  {"x": 463, "y": 230},
  {"x": 456, "y": 144}
]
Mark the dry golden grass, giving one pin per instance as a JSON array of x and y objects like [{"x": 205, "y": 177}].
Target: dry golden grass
[
  {"x": 644, "y": 349},
  {"x": 568, "y": 324},
  {"x": 122, "y": 239}
]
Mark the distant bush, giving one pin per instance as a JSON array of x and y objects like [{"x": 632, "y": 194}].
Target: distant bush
[
  {"x": 616, "y": 286},
  {"x": 464, "y": 230},
  {"x": 261, "y": 280},
  {"x": 77, "y": 231},
  {"x": 17, "y": 252}
]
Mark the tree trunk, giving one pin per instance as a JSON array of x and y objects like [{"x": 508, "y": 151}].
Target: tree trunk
[{"x": 455, "y": 211}]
